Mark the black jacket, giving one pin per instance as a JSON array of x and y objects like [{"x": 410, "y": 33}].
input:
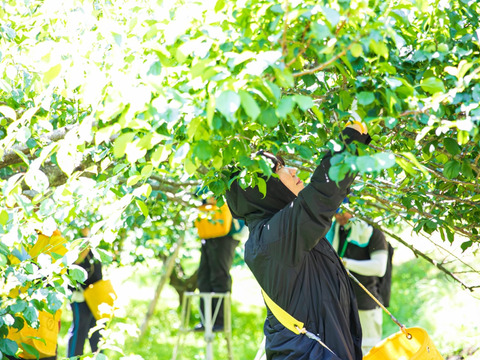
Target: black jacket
[
  {"x": 372, "y": 283},
  {"x": 297, "y": 267},
  {"x": 93, "y": 268}
]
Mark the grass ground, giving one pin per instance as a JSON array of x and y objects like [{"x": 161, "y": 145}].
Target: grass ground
[{"x": 421, "y": 296}]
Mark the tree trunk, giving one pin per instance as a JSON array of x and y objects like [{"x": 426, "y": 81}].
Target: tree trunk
[
  {"x": 181, "y": 283},
  {"x": 169, "y": 264}
]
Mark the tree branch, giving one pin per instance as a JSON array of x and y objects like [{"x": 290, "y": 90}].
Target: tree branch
[
  {"x": 325, "y": 64},
  {"x": 392, "y": 204},
  {"x": 10, "y": 157},
  {"x": 285, "y": 28},
  {"x": 418, "y": 253}
]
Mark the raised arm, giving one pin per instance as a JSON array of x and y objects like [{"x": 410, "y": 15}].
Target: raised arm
[{"x": 302, "y": 225}]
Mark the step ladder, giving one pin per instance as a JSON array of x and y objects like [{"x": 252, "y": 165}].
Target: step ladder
[{"x": 208, "y": 319}]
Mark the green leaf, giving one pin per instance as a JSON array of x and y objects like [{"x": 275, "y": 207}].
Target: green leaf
[
  {"x": 268, "y": 118},
  {"x": 4, "y": 217},
  {"x": 3, "y": 260},
  {"x": 331, "y": 15},
  {"x": 77, "y": 273},
  {"x": 147, "y": 170},
  {"x": 284, "y": 78},
  {"x": 219, "y": 5},
  {"x": 133, "y": 180},
  {"x": 463, "y": 68},
  {"x": 117, "y": 38},
  {"x": 31, "y": 143},
  {"x": 365, "y": 98},
  {"x": 217, "y": 162},
  {"x": 105, "y": 256},
  {"x": 275, "y": 91},
  {"x": 31, "y": 350},
  {"x": 379, "y": 48},
  {"x": 143, "y": 207},
  {"x": 366, "y": 164},
  {"x": 100, "y": 356},
  {"x": 467, "y": 170},
  {"x": 319, "y": 115},
  {"x": 309, "y": 80},
  {"x": 19, "y": 306},
  {"x": 155, "y": 69},
  {"x": 210, "y": 110},
  {"x": 356, "y": 50},
  {"x": 432, "y": 85},
  {"x": 384, "y": 160},
  {"x": 390, "y": 122},
  {"x": 54, "y": 301},
  {"x": 262, "y": 185},
  {"x": 452, "y": 169},
  {"x": 465, "y": 245},
  {"x": 120, "y": 144},
  {"x": 228, "y": 103},
  {"x": 320, "y": 31},
  {"x": 338, "y": 171},
  {"x": 304, "y": 102},
  {"x": 52, "y": 73},
  {"x": 249, "y": 104},
  {"x": 285, "y": 107},
  {"x": 451, "y": 146},
  {"x": 30, "y": 314},
  {"x": 56, "y": 256},
  {"x": 415, "y": 161},
  {"x": 8, "y": 347},
  {"x": 160, "y": 155},
  {"x": 203, "y": 150},
  {"x": 405, "y": 165},
  {"x": 304, "y": 151}
]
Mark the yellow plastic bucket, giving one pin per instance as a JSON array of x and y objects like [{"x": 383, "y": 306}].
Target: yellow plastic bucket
[
  {"x": 213, "y": 221},
  {"x": 399, "y": 347},
  {"x": 43, "y": 339},
  {"x": 100, "y": 297}
]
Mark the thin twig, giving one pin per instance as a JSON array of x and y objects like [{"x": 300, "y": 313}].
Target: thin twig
[
  {"x": 325, "y": 64},
  {"x": 285, "y": 28}
]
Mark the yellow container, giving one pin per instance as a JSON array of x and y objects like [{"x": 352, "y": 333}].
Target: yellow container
[
  {"x": 213, "y": 222},
  {"x": 399, "y": 347},
  {"x": 100, "y": 297},
  {"x": 44, "y": 339}
]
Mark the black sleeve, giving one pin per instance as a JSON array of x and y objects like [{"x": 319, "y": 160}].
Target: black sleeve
[
  {"x": 93, "y": 267},
  {"x": 322, "y": 197},
  {"x": 377, "y": 241},
  {"x": 302, "y": 224}
]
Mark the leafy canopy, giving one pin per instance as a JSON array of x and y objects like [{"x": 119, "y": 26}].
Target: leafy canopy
[{"x": 112, "y": 114}]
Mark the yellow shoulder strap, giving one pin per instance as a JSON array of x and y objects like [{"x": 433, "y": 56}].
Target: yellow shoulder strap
[{"x": 284, "y": 317}]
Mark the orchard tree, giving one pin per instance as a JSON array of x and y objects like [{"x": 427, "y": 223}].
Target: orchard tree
[{"x": 115, "y": 113}]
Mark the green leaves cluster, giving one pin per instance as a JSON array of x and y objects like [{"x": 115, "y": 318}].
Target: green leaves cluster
[{"x": 113, "y": 114}]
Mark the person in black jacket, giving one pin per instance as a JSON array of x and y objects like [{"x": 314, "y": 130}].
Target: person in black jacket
[
  {"x": 83, "y": 319},
  {"x": 295, "y": 265}
]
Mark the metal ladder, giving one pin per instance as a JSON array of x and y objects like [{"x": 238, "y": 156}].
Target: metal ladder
[{"x": 208, "y": 319}]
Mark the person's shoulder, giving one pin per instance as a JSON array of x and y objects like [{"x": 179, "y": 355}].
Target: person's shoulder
[
  {"x": 378, "y": 239},
  {"x": 378, "y": 232}
]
